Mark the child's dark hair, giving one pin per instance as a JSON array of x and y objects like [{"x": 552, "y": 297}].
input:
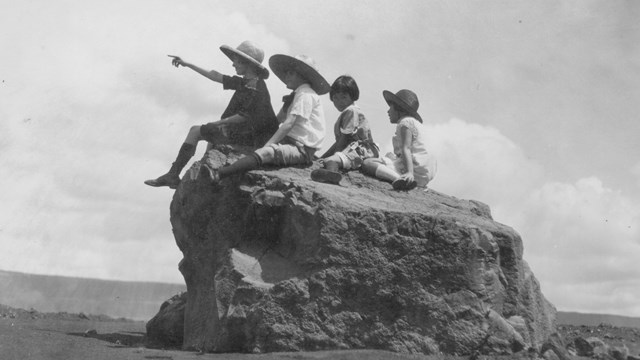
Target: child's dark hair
[{"x": 345, "y": 84}]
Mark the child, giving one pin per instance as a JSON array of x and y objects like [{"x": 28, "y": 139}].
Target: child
[
  {"x": 353, "y": 136},
  {"x": 303, "y": 127},
  {"x": 413, "y": 165},
  {"x": 249, "y": 118}
]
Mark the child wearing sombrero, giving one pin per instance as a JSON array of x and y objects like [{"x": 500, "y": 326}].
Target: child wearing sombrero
[
  {"x": 302, "y": 128},
  {"x": 249, "y": 118},
  {"x": 412, "y": 164}
]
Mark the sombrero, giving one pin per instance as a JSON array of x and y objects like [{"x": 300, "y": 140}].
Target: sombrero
[
  {"x": 248, "y": 51},
  {"x": 405, "y": 100},
  {"x": 303, "y": 65}
]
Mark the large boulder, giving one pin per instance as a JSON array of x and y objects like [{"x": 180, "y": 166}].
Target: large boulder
[
  {"x": 166, "y": 329},
  {"x": 276, "y": 262}
]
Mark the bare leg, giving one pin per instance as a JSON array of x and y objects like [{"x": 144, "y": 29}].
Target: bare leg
[
  {"x": 333, "y": 163},
  {"x": 386, "y": 173},
  {"x": 377, "y": 168},
  {"x": 193, "y": 136}
]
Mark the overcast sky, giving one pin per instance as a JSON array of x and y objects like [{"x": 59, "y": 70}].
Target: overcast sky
[{"x": 530, "y": 107}]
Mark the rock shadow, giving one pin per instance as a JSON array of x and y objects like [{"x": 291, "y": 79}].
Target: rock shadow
[{"x": 120, "y": 339}]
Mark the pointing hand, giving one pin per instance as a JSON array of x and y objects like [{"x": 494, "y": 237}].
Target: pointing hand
[{"x": 177, "y": 61}]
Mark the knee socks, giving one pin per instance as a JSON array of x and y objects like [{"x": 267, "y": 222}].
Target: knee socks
[
  {"x": 244, "y": 164},
  {"x": 185, "y": 153},
  {"x": 332, "y": 166}
]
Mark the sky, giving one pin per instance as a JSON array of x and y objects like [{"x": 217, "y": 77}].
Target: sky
[{"x": 530, "y": 107}]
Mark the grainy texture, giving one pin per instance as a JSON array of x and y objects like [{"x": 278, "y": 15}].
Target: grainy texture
[
  {"x": 276, "y": 262},
  {"x": 166, "y": 329},
  {"x": 67, "y": 336}
]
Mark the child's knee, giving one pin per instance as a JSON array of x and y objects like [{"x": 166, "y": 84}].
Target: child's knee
[
  {"x": 194, "y": 134},
  {"x": 265, "y": 154},
  {"x": 335, "y": 159}
]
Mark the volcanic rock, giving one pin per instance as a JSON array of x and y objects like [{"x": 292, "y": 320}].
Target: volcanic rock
[
  {"x": 166, "y": 329},
  {"x": 276, "y": 262}
]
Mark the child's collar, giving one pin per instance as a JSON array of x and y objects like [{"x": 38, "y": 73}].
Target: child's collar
[{"x": 303, "y": 85}]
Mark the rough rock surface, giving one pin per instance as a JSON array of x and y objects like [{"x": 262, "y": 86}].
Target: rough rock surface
[
  {"x": 166, "y": 329},
  {"x": 276, "y": 262}
]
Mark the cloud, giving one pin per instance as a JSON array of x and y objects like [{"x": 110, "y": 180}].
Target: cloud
[
  {"x": 90, "y": 109},
  {"x": 597, "y": 222},
  {"x": 95, "y": 258},
  {"x": 480, "y": 163},
  {"x": 581, "y": 236},
  {"x": 613, "y": 297},
  {"x": 584, "y": 236},
  {"x": 635, "y": 171}
]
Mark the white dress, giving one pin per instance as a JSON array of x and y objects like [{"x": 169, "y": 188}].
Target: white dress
[{"x": 424, "y": 163}]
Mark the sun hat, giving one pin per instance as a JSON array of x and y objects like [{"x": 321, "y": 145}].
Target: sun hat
[
  {"x": 406, "y": 100},
  {"x": 303, "y": 65},
  {"x": 248, "y": 51}
]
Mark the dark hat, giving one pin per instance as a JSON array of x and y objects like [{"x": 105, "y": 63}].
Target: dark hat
[
  {"x": 248, "y": 51},
  {"x": 405, "y": 100},
  {"x": 303, "y": 65}
]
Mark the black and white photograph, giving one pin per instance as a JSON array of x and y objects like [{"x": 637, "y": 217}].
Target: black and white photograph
[{"x": 320, "y": 179}]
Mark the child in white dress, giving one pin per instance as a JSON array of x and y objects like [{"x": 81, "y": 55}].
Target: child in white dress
[{"x": 410, "y": 165}]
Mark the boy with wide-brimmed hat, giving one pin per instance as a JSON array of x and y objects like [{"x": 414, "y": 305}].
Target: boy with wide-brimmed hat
[
  {"x": 249, "y": 118},
  {"x": 411, "y": 164},
  {"x": 302, "y": 128}
]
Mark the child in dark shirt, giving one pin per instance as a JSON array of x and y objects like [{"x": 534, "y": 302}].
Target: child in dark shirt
[
  {"x": 303, "y": 126},
  {"x": 249, "y": 118}
]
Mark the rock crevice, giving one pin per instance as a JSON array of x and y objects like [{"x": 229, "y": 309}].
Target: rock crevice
[{"x": 276, "y": 262}]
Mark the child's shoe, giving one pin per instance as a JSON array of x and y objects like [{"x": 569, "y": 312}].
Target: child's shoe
[
  {"x": 403, "y": 184},
  {"x": 208, "y": 174},
  {"x": 326, "y": 176},
  {"x": 170, "y": 179}
]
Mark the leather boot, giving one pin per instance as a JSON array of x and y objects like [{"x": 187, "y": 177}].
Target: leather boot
[
  {"x": 172, "y": 178},
  {"x": 330, "y": 174}
]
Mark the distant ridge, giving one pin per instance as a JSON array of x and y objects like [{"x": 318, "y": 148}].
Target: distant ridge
[
  {"x": 131, "y": 300},
  {"x": 575, "y": 318},
  {"x": 142, "y": 300}
]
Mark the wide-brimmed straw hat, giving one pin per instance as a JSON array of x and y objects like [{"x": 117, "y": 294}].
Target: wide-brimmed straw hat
[
  {"x": 304, "y": 66},
  {"x": 406, "y": 100},
  {"x": 248, "y": 51}
]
